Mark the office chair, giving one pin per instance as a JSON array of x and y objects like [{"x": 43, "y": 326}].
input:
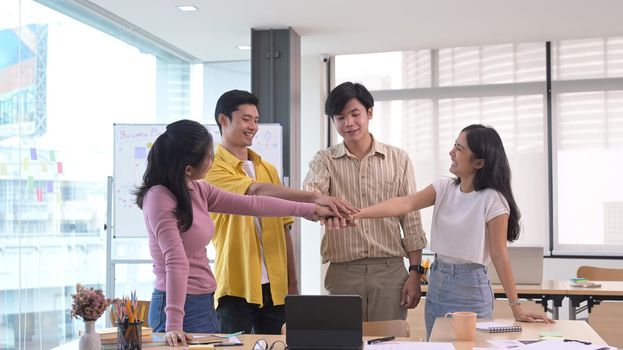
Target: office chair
[{"x": 600, "y": 273}]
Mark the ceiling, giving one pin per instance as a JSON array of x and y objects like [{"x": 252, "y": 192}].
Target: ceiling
[{"x": 358, "y": 26}]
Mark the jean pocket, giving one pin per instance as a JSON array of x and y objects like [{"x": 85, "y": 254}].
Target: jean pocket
[{"x": 467, "y": 280}]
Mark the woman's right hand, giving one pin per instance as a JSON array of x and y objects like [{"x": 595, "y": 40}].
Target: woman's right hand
[{"x": 173, "y": 338}]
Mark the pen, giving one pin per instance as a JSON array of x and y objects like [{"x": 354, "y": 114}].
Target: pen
[
  {"x": 380, "y": 340},
  {"x": 227, "y": 344},
  {"x": 579, "y": 341}
]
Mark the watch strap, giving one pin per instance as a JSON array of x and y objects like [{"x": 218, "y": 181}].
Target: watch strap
[{"x": 417, "y": 268}]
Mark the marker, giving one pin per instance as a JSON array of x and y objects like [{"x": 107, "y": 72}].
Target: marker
[
  {"x": 227, "y": 344},
  {"x": 380, "y": 340}
]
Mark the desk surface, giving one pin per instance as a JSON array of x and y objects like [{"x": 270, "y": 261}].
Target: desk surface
[
  {"x": 247, "y": 339},
  {"x": 547, "y": 287},
  {"x": 608, "y": 288},
  {"x": 442, "y": 332}
]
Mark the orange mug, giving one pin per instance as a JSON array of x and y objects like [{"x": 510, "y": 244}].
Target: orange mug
[{"x": 463, "y": 324}]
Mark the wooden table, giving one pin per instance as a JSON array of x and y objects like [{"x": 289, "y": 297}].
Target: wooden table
[
  {"x": 609, "y": 290},
  {"x": 442, "y": 332},
  {"x": 247, "y": 339}
]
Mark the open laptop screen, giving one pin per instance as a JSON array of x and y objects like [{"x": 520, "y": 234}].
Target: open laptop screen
[{"x": 323, "y": 322}]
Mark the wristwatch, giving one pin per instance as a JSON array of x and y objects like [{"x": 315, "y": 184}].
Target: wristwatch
[
  {"x": 514, "y": 302},
  {"x": 417, "y": 268}
]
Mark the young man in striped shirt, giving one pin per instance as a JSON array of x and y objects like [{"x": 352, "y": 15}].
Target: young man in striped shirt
[{"x": 368, "y": 260}]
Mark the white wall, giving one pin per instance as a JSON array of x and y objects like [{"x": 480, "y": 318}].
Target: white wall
[{"x": 312, "y": 126}]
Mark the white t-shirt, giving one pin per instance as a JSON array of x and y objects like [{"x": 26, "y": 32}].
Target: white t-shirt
[
  {"x": 249, "y": 168},
  {"x": 459, "y": 228}
]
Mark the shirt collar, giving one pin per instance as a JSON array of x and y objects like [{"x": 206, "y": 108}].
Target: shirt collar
[
  {"x": 226, "y": 156},
  {"x": 340, "y": 150}
]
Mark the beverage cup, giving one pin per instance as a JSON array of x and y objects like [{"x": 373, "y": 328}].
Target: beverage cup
[{"x": 463, "y": 324}]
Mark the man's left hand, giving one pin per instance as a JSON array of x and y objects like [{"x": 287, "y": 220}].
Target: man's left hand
[{"x": 411, "y": 291}]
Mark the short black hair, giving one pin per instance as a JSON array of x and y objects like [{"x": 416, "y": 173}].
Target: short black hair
[
  {"x": 230, "y": 101},
  {"x": 341, "y": 94}
]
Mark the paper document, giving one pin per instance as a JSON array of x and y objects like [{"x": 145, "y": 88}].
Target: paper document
[{"x": 408, "y": 345}]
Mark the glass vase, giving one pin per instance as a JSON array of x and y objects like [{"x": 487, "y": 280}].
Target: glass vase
[{"x": 89, "y": 340}]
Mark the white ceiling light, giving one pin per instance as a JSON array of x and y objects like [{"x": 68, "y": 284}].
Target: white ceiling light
[
  {"x": 243, "y": 47},
  {"x": 188, "y": 8}
]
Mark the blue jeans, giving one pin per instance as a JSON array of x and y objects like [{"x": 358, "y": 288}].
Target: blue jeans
[
  {"x": 199, "y": 313},
  {"x": 457, "y": 287}
]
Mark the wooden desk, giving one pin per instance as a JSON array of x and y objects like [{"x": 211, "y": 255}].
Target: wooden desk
[
  {"x": 442, "y": 332},
  {"x": 247, "y": 339},
  {"x": 548, "y": 290},
  {"x": 609, "y": 290}
]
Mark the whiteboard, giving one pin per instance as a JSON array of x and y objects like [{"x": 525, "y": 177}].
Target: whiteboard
[{"x": 132, "y": 143}]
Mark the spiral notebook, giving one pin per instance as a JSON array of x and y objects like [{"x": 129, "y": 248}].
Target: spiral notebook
[{"x": 496, "y": 327}]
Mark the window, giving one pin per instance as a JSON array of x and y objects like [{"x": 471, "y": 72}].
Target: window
[
  {"x": 62, "y": 86},
  {"x": 588, "y": 140},
  {"x": 589, "y": 201},
  {"x": 426, "y": 127},
  {"x": 386, "y": 71},
  {"x": 504, "y": 86}
]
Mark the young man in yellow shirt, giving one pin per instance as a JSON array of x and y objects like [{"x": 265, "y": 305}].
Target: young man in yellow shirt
[{"x": 255, "y": 266}]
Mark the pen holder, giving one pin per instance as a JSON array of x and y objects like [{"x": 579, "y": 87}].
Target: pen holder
[{"x": 129, "y": 335}]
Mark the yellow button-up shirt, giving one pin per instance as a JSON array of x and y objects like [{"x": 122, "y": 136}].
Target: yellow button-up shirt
[{"x": 238, "y": 255}]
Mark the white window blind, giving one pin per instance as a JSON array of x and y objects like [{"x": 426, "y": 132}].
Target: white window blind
[
  {"x": 589, "y": 150},
  {"x": 494, "y": 64},
  {"x": 588, "y": 58}
]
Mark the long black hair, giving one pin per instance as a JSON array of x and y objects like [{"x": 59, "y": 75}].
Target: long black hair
[
  {"x": 485, "y": 143},
  {"x": 185, "y": 142}
]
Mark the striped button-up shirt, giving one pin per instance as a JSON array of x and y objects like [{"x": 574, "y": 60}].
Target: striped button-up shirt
[{"x": 385, "y": 172}]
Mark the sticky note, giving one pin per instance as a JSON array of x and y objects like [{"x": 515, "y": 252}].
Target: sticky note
[
  {"x": 53, "y": 156},
  {"x": 39, "y": 195},
  {"x": 49, "y": 186},
  {"x": 33, "y": 154},
  {"x": 550, "y": 334},
  {"x": 59, "y": 167},
  {"x": 44, "y": 167},
  {"x": 4, "y": 169},
  {"x": 140, "y": 152},
  {"x": 25, "y": 164},
  {"x": 31, "y": 183}
]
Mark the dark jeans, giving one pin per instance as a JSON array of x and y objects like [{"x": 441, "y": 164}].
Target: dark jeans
[
  {"x": 236, "y": 314},
  {"x": 199, "y": 313}
]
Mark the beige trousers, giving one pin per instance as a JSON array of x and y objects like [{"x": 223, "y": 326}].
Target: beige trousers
[{"x": 378, "y": 281}]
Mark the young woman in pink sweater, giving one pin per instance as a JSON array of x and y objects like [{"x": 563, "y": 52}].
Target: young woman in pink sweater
[{"x": 176, "y": 205}]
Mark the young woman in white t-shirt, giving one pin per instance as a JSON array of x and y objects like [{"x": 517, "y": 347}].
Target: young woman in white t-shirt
[{"x": 475, "y": 215}]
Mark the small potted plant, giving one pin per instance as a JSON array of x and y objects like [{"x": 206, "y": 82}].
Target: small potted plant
[{"x": 89, "y": 304}]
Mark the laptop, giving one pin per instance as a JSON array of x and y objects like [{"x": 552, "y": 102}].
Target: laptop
[
  {"x": 527, "y": 265},
  {"x": 323, "y": 322}
]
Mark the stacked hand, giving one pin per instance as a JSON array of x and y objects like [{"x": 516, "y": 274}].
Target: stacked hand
[{"x": 333, "y": 212}]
